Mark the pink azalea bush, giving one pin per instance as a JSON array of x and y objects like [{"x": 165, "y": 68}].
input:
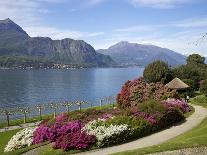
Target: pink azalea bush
[{"x": 177, "y": 103}]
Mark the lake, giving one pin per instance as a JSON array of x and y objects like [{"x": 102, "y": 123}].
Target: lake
[{"x": 29, "y": 87}]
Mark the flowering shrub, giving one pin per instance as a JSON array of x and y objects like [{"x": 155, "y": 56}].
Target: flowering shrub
[
  {"x": 41, "y": 134},
  {"x": 180, "y": 104},
  {"x": 75, "y": 140},
  {"x": 138, "y": 126},
  {"x": 106, "y": 135},
  {"x": 137, "y": 91},
  {"x": 172, "y": 115},
  {"x": 63, "y": 117},
  {"x": 21, "y": 139},
  {"x": 44, "y": 133}
]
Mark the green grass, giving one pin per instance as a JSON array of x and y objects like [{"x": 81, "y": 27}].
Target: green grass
[
  {"x": 199, "y": 100},
  {"x": 5, "y": 137},
  {"x": 193, "y": 138}
]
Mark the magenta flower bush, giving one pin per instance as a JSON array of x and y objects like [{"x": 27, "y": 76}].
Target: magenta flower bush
[
  {"x": 44, "y": 133},
  {"x": 41, "y": 134},
  {"x": 74, "y": 140}
]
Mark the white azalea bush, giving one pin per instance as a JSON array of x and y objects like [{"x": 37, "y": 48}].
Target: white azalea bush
[
  {"x": 107, "y": 135},
  {"x": 21, "y": 139}
]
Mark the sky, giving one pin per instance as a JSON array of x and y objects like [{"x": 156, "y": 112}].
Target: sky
[{"x": 175, "y": 24}]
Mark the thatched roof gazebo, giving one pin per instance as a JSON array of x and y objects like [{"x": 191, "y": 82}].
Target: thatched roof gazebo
[{"x": 177, "y": 84}]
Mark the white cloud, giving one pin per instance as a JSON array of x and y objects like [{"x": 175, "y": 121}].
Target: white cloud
[
  {"x": 136, "y": 28},
  {"x": 161, "y": 4},
  {"x": 191, "y": 23},
  {"x": 55, "y": 33}
]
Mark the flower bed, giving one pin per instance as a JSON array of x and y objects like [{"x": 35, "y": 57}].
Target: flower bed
[{"x": 141, "y": 111}]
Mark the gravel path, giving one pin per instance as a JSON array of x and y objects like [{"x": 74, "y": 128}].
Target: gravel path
[
  {"x": 187, "y": 151},
  {"x": 154, "y": 139},
  {"x": 9, "y": 128}
]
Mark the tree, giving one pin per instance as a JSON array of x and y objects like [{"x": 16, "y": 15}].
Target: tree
[
  {"x": 158, "y": 71},
  {"x": 195, "y": 70},
  {"x": 195, "y": 59},
  {"x": 203, "y": 87}
]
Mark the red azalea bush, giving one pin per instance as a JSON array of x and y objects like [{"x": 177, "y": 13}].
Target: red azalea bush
[{"x": 137, "y": 91}]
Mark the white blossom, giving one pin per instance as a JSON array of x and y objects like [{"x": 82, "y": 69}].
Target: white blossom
[
  {"x": 21, "y": 139},
  {"x": 98, "y": 129}
]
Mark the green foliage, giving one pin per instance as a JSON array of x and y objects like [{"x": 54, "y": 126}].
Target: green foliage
[
  {"x": 140, "y": 126},
  {"x": 24, "y": 61},
  {"x": 195, "y": 59},
  {"x": 194, "y": 71},
  {"x": 203, "y": 87},
  {"x": 170, "y": 117},
  {"x": 151, "y": 107},
  {"x": 199, "y": 100},
  {"x": 158, "y": 71}
]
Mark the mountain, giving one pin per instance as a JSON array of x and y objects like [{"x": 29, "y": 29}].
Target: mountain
[
  {"x": 17, "y": 45},
  {"x": 129, "y": 54}
]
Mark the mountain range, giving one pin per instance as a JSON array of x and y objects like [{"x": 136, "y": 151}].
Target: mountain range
[
  {"x": 16, "y": 43},
  {"x": 17, "y": 48},
  {"x": 129, "y": 54}
]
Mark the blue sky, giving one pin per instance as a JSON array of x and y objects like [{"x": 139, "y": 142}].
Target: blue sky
[{"x": 173, "y": 24}]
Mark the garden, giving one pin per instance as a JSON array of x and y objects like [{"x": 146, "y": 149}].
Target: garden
[{"x": 142, "y": 108}]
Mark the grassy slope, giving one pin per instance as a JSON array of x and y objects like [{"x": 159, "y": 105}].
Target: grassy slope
[{"x": 192, "y": 138}]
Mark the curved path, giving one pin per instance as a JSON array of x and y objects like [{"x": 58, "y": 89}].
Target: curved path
[{"x": 154, "y": 139}]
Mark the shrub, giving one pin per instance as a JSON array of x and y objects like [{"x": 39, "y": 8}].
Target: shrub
[
  {"x": 44, "y": 133},
  {"x": 151, "y": 107},
  {"x": 137, "y": 91},
  {"x": 172, "y": 115},
  {"x": 75, "y": 140},
  {"x": 106, "y": 135},
  {"x": 21, "y": 139},
  {"x": 176, "y": 103},
  {"x": 41, "y": 134},
  {"x": 139, "y": 126}
]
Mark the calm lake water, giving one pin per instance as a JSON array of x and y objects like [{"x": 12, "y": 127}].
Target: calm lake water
[{"x": 29, "y": 87}]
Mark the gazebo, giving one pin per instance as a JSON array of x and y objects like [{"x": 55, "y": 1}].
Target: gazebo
[{"x": 177, "y": 84}]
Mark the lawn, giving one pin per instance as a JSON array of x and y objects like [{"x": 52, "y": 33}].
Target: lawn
[
  {"x": 5, "y": 137},
  {"x": 199, "y": 100}
]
